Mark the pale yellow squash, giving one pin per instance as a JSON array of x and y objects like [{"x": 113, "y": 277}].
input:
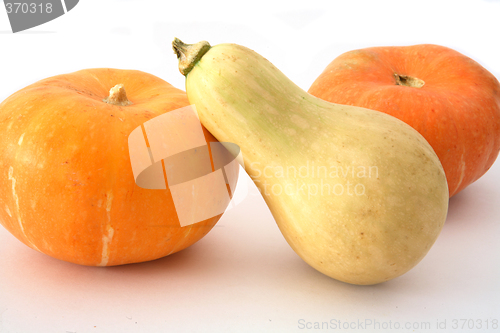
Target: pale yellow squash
[{"x": 358, "y": 194}]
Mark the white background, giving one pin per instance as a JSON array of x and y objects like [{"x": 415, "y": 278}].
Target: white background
[{"x": 243, "y": 277}]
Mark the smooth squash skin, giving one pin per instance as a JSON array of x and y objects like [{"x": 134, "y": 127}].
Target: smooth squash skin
[
  {"x": 358, "y": 194},
  {"x": 66, "y": 185}
]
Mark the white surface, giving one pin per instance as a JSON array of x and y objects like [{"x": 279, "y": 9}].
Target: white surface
[{"x": 243, "y": 277}]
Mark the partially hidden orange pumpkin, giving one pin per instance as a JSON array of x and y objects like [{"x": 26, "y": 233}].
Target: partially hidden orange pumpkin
[
  {"x": 449, "y": 98},
  {"x": 66, "y": 184}
]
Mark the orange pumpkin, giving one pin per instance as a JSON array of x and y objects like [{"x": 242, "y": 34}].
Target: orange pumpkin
[
  {"x": 67, "y": 188},
  {"x": 450, "y": 99}
]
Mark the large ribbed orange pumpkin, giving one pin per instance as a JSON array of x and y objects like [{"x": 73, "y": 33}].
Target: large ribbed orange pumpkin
[
  {"x": 449, "y": 98},
  {"x": 66, "y": 184}
]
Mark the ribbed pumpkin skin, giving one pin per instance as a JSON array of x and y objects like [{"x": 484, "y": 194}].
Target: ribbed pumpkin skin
[
  {"x": 457, "y": 110},
  {"x": 66, "y": 184}
]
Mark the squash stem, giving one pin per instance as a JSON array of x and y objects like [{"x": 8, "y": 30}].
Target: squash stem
[
  {"x": 117, "y": 96},
  {"x": 408, "y": 81},
  {"x": 189, "y": 54}
]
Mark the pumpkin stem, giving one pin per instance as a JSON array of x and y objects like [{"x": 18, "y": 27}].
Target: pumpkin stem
[
  {"x": 117, "y": 96},
  {"x": 189, "y": 54},
  {"x": 408, "y": 81}
]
